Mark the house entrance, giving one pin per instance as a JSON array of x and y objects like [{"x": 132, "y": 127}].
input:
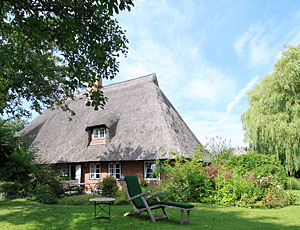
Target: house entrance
[{"x": 75, "y": 172}]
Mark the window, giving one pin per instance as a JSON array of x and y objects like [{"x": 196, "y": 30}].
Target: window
[
  {"x": 99, "y": 133},
  {"x": 114, "y": 169},
  {"x": 95, "y": 171},
  {"x": 149, "y": 171},
  {"x": 62, "y": 170}
]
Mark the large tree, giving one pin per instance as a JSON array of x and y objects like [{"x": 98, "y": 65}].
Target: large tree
[
  {"x": 272, "y": 122},
  {"x": 51, "y": 48}
]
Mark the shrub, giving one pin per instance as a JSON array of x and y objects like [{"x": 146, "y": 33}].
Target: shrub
[
  {"x": 109, "y": 186},
  {"x": 143, "y": 183},
  {"x": 259, "y": 165},
  {"x": 293, "y": 183},
  {"x": 10, "y": 188},
  {"x": 218, "y": 149},
  {"x": 121, "y": 197},
  {"x": 47, "y": 198},
  {"x": 250, "y": 191},
  {"x": 186, "y": 180},
  {"x": 47, "y": 176}
]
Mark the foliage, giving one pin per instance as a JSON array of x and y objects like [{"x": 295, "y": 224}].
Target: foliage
[
  {"x": 272, "y": 122},
  {"x": 10, "y": 189},
  {"x": 47, "y": 198},
  {"x": 250, "y": 191},
  {"x": 109, "y": 186},
  {"x": 186, "y": 180},
  {"x": 259, "y": 165},
  {"x": 43, "y": 193},
  {"x": 293, "y": 183},
  {"x": 218, "y": 149},
  {"x": 15, "y": 158},
  {"x": 51, "y": 48},
  {"x": 45, "y": 176},
  {"x": 121, "y": 197},
  {"x": 143, "y": 183}
]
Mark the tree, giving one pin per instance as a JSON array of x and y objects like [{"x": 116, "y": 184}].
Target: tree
[
  {"x": 15, "y": 158},
  {"x": 272, "y": 122},
  {"x": 51, "y": 48}
]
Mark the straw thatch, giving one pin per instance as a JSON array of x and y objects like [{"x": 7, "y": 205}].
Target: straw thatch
[{"x": 142, "y": 124}]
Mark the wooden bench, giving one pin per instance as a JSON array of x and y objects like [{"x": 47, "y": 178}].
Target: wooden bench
[{"x": 71, "y": 187}]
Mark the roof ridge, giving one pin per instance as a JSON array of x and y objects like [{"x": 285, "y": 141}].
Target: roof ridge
[{"x": 150, "y": 77}]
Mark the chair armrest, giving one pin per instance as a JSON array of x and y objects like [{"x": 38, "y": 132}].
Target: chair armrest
[
  {"x": 139, "y": 195},
  {"x": 155, "y": 194}
]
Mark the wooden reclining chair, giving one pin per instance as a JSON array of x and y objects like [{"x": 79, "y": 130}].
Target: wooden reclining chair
[{"x": 138, "y": 201}]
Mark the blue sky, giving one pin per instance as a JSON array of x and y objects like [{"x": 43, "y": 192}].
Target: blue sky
[{"x": 208, "y": 54}]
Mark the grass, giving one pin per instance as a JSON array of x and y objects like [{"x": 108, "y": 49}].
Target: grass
[{"x": 22, "y": 214}]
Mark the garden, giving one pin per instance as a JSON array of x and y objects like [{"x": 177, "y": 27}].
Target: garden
[{"x": 229, "y": 191}]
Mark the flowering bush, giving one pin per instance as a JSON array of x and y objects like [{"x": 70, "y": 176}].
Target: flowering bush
[
  {"x": 249, "y": 190},
  {"x": 186, "y": 180},
  {"x": 219, "y": 149}
]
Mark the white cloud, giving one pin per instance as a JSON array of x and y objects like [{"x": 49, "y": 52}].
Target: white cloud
[
  {"x": 241, "y": 94},
  {"x": 254, "y": 45}
]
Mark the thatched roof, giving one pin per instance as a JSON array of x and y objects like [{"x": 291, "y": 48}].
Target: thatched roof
[{"x": 142, "y": 123}]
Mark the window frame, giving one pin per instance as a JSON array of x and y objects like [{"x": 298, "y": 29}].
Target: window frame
[
  {"x": 114, "y": 168},
  {"x": 95, "y": 171},
  {"x": 99, "y": 133},
  {"x": 145, "y": 171}
]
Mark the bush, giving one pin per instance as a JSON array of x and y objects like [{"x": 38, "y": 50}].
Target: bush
[
  {"x": 47, "y": 176},
  {"x": 121, "y": 197},
  {"x": 293, "y": 183},
  {"x": 109, "y": 186},
  {"x": 143, "y": 183},
  {"x": 259, "y": 165},
  {"x": 186, "y": 179},
  {"x": 250, "y": 191},
  {"x": 44, "y": 194},
  {"x": 10, "y": 188},
  {"x": 47, "y": 198}
]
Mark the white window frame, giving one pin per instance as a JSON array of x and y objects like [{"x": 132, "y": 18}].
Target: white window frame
[
  {"x": 112, "y": 169},
  {"x": 99, "y": 133},
  {"x": 145, "y": 171},
  {"x": 93, "y": 171}
]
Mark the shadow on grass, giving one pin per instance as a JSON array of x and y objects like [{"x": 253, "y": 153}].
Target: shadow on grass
[{"x": 22, "y": 214}]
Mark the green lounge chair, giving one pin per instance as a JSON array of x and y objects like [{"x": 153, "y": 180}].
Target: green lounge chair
[{"x": 138, "y": 201}]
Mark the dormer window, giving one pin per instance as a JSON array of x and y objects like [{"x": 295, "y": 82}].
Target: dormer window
[{"x": 99, "y": 133}]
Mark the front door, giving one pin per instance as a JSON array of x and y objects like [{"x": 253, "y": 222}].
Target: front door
[
  {"x": 78, "y": 173},
  {"x": 75, "y": 172}
]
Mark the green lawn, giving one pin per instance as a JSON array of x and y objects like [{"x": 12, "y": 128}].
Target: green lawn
[{"x": 22, "y": 214}]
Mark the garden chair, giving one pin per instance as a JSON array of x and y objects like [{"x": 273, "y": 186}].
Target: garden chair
[
  {"x": 70, "y": 187},
  {"x": 97, "y": 188},
  {"x": 138, "y": 201}
]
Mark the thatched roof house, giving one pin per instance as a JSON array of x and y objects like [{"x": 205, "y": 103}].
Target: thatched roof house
[{"x": 138, "y": 125}]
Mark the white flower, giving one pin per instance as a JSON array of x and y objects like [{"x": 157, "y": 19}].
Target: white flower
[{"x": 278, "y": 186}]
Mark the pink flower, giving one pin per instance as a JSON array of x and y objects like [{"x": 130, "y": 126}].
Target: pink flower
[
  {"x": 230, "y": 185},
  {"x": 271, "y": 177},
  {"x": 255, "y": 183},
  {"x": 251, "y": 177},
  {"x": 245, "y": 176}
]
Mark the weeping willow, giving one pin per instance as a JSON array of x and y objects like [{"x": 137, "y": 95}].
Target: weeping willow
[{"x": 272, "y": 122}]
